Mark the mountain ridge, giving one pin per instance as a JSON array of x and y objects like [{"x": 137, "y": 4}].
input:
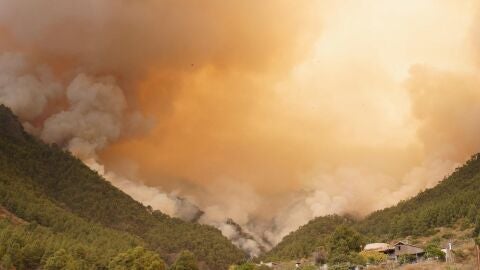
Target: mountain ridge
[
  {"x": 68, "y": 186},
  {"x": 33, "y": 173},
  {"x": 454, "y": 199}
]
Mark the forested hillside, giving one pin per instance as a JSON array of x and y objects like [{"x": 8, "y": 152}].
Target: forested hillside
[
  {"x": 71, "y": 210},
  {"x": 307, "y": 239},
  {"x": 456, "y": 198},
  {"x": 55, "y": 211}
]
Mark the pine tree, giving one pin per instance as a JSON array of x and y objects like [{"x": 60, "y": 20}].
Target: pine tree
[
  {"x": 185, "y": 261},
  {"x": 137, "y": 259}
]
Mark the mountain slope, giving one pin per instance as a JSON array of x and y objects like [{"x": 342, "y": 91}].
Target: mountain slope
[
  {"x": 34, "y": 228},
  {"x": 307, "y": 239},
  {"x": 75, "y": 191},
  {"x": 453, "y": 199},
  {"x": 456, "y": 197}
]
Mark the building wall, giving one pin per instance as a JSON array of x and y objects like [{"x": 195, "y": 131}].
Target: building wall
[{"x": 407, "y": 249}]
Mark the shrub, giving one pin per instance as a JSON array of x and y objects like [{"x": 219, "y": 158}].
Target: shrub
[
  {"x": 374, "y": 257},
  {"x": 404, "y": 259},
  {"x": 186, "y": 261},
  {"x": 245, "y": 266},
  {"x": 137, "y": 259},
  {"x": 433, "y": 251}
]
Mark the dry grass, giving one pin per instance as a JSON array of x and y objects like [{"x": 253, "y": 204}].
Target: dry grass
[{"x": 438, "y": 266}]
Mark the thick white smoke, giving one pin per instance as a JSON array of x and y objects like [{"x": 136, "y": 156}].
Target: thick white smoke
[
  {"x": 353, "y": 191},
  {"x": 168, "y": 203},
  {"x": 93, "y": 118},
  {"x": 95, "y": 114},
  {"x": 238, "y": 238},
  {"x": 24, "y": 88},
  {"x": 343, "y": 132}
]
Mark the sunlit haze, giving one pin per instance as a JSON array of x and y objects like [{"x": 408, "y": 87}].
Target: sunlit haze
[{"x": 267, "y": 112}]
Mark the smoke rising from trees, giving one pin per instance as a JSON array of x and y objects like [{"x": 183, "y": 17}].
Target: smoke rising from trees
[{"x": 266, "y": 113}]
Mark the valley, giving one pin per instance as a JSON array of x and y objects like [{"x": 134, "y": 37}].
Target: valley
[{"x": 51, "y": 204}]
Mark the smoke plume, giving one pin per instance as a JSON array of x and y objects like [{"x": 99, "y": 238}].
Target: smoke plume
[
  {"x": 25, "y": 89},
  {"x": 268, "y": 113}
]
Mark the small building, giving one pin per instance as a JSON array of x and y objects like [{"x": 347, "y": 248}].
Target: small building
[
  {"x": 395, "y": 251},
  {"x": 402, "y": 248}
]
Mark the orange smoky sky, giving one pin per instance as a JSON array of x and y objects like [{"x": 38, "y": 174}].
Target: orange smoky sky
[{"x": 276, "y": 111}]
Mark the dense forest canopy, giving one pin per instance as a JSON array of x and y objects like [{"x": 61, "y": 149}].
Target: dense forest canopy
[
  {"x": 454, "y": 199},
  {"x": 57, "y": 213},
  {"x": 71, "y": 212}
]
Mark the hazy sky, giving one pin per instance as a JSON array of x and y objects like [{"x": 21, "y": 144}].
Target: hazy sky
[{"x": 269, "y": 112}]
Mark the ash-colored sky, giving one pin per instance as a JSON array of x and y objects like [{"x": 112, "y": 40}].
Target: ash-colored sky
[{"x": 269, "y": 112}]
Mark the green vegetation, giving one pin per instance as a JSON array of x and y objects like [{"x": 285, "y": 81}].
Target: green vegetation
[
  {"x": 453, "y": 201},
  {"x": 185, "y": 261},
  {"x": 433, "y": 251},
  {"x": 344, "y": 246},
  {"x": 52, "y": 229},
  {"x": 308, "y": 239},
  {"x": 60, "y": 260},
  {"x": 74, "y": 217},
  {"x": 137, "y": 259},
  {"x": 373, "y": 257},
  {"x": 404, "y": 259},
  {"x": 66, "y": 216},
  {"x": 245, "y": 266},
  {"x": 249, "y": 266},
  {"x": 329, "y": 239}
]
